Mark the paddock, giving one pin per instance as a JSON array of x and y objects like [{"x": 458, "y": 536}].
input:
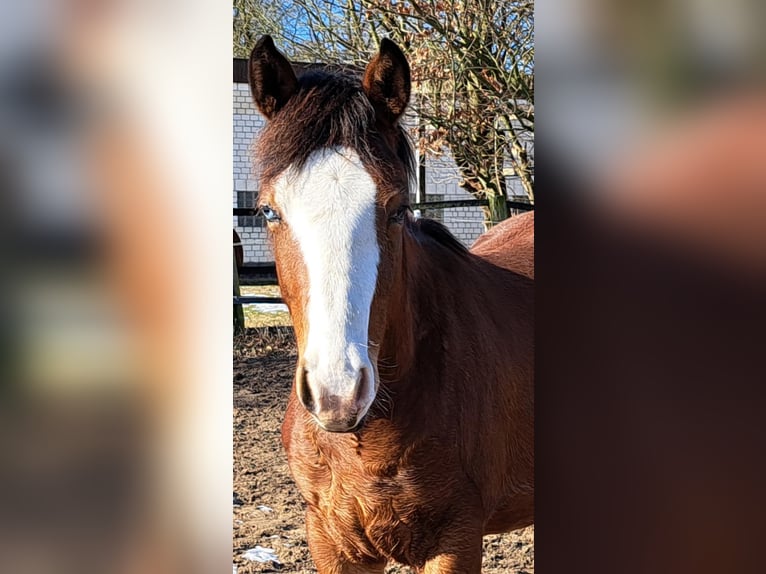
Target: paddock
[{"x": 268, "y": 511}]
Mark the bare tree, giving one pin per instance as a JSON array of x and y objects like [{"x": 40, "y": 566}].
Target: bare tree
[{"x": 473, "y": 74}]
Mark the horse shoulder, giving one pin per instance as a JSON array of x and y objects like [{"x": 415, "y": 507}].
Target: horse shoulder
[{"x": 510, "y": 244}]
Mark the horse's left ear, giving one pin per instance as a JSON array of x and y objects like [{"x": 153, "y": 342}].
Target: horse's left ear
[{"x": 387, "y": 82}]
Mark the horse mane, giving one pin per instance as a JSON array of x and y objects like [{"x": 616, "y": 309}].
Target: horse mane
[
  {"x": 438, "y": 233},
  {"x": 331, "y": 110}
]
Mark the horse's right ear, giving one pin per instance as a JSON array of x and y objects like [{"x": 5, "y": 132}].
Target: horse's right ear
[
  {"x": 387, "y": 82},
  {"x": 272, "y": 79}
]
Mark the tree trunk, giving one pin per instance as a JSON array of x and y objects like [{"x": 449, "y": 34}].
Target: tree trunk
[
  {"x": 496, "y": 211},
  {"x": 489, "y": 185}
]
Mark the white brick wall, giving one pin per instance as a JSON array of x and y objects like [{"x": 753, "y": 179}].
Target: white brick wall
[
  {"x": 442, "y": 178},
  {"x": 255, "y": 244},
  {"x": 247, "y": 123},
  {"x": 441, "y": 173}
]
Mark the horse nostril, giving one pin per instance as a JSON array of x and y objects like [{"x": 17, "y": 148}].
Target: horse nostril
[
  {"x": 363, "y": 388},
  {"x": 302, "y": 388}
]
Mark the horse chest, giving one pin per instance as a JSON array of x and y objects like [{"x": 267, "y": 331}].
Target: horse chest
[
  {"x": 377, "y": 515},
  {"x": 379, "y": 499}
]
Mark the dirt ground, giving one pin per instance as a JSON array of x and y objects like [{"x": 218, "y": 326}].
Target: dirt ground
[{"x": 268, "y": 512}]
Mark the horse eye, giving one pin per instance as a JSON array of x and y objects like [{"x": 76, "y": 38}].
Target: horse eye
[
  {"x": 398, "y": 217},
  {"x": 269, "y": 214}
]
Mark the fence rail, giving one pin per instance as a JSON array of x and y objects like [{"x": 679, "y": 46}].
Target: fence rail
[
  {"x": 520, "y": 205},
  {"x": 512, "y": 204},
  {"x": 254, "y": 299}
]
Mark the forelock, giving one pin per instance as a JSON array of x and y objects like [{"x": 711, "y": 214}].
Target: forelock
[{"x": 330, "y": 110}]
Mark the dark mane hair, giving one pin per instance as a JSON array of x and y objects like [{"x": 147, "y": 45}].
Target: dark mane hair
[
  {"x": 329, "y": 110},
  {"x": 437, "y": 232}
]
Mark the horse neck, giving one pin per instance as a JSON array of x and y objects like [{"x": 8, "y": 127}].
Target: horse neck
[{"x": 434, "y": 282}]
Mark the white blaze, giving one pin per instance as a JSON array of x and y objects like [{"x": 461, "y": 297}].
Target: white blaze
[{"x": 330, "y": 207}]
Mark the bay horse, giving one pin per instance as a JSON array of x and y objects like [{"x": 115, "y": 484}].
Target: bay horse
[{"x": 409, "y": 428}]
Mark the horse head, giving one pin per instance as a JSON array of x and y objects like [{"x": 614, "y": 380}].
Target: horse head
[{"x": 335, "y": 170}]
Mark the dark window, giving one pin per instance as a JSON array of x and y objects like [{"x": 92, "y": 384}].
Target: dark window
[{"x": 246, "y": 200}]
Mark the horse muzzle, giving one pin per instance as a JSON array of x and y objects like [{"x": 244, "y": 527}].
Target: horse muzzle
[{"x": 339, "y": 403}]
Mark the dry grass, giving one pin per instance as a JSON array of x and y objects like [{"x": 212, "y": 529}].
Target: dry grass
[
  {"x": 256, "y": 318},
  {"x": 259, "y": 342}
]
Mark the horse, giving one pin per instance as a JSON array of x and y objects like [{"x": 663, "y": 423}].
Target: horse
[{"x": 409, "y": 427}]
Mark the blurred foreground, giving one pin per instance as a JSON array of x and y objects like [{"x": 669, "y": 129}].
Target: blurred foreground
[
  {"x": 116, "y": 410},
  {"x": 651, "y": 275}
]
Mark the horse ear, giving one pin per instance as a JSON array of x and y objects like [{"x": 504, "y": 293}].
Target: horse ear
[
  {"x": 387, "y": 82},
  {"x": 272, "y": 79}
]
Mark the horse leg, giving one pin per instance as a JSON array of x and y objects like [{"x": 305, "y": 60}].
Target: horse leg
[
  {"x": 461, "y": 555},
  {"x": 454, "y": 563},
  {"x": 328, "y": 557}
]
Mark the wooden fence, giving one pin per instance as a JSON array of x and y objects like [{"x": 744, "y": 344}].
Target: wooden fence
[{"x": 268, "y": 271}]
